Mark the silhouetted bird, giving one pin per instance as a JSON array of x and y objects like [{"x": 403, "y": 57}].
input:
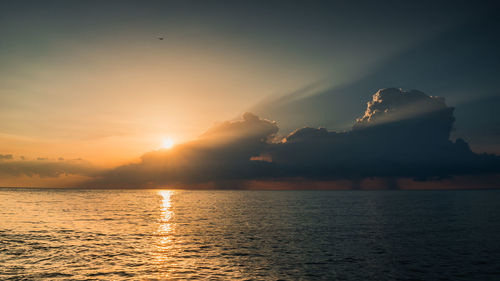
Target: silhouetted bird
[{"x": 160, "y": 38}]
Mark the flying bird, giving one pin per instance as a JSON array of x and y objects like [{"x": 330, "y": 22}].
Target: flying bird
[{"x": 161, "y": 37}]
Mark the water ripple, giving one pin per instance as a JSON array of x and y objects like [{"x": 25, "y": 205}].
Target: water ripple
[{"x": 248, "y": 235}]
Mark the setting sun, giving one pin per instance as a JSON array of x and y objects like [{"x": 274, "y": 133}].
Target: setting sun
[{"x": 167, "y": 143}]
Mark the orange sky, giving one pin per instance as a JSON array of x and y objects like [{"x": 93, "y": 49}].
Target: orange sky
[{"x": 111, "y": 103}]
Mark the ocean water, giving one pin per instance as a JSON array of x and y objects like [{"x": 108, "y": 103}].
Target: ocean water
[{"x": 249, "y": 235}]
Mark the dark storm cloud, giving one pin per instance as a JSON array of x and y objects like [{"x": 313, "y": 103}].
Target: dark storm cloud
[
  {"x": 45, "y": 168},
  {"x": 402, "y": 134}
]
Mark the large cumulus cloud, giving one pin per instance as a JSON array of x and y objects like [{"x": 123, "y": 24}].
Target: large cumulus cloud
[{"x": 403, "y": 134}]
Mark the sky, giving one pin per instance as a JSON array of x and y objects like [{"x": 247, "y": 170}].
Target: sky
[{"x": 87, "y": 89}]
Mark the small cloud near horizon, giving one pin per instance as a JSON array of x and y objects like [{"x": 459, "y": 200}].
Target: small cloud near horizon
[{"x": 45, "y": 168}]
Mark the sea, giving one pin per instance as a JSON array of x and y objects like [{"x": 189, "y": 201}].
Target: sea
[{"x": 85, "y": 234}]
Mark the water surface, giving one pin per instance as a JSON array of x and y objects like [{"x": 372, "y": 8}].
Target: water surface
[{"x": 250, "y": 235}]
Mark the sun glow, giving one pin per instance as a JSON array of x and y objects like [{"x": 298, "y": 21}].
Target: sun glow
[{"x": 167, "y": 143}]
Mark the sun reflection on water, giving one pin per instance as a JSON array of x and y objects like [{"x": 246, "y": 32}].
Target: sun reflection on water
[
  {"x": 165, "y": 244},
  {"x": 166, "y": 212}
]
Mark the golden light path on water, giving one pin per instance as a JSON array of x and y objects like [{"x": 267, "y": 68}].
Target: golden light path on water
[{"x": 165, "y": 244}]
